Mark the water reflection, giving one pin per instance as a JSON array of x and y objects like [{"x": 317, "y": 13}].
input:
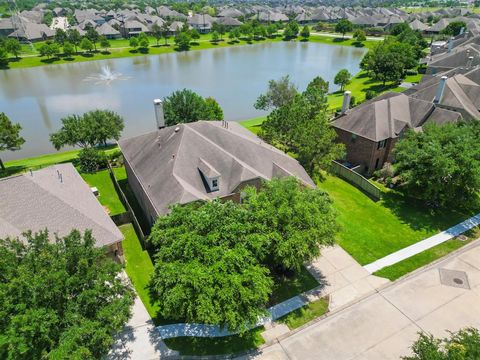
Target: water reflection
[{"x": 39, "y": 97}]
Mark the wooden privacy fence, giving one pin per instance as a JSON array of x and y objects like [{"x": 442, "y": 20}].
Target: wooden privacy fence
[{"x": 356, "y": 179}]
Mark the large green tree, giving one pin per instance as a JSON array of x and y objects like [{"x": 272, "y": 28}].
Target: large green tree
[
  {"x": 205, "y": 270},
  {"x": 182, "y": 40},
  {"x": 13, "y": 46},
  {"x": 279, "y": 93},
  {"x": 296, "y": 219},
  {"x": 461, "y": 345},
  {"x": 454, "y": 28},
  {"x": 61, "y": 299},
  {"x": 441, "y": 164},
  {"x": 88, "y": 130},
  {"x": 301, "y": 126},
  {"x": 10, "y": 138},
  {"x": 343, "y": 26},
  {"x": 342, "y": 78},
  {"x": 184, "y": 106}
]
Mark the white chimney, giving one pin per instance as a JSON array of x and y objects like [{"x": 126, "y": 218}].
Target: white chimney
[
  {"x": 158, "y": 105},
  {"x": 440, "y": 90},
  {"x": 470, "y": 62},
  {"x": 347, "y": 96},
  {"x": 450, "y": 44},
  {"x": 462, "y": 30}
]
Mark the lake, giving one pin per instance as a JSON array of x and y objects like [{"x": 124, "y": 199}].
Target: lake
[{"x": 39, "y": 97}]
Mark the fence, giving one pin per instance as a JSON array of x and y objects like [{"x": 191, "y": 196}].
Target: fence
[
  {"x": 357, "y": 180},
  {"x": 127, "y": 205}
]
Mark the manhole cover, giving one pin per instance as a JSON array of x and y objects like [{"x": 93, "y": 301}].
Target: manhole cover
[{"x": 454, "y": 278}]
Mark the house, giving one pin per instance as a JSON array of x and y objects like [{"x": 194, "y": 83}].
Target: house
[
  {"x": 55, "y": 198},
  {"x": 33, "y": 32},
  {"x": 370, "y": 130},
  {"x": 201, "y": 22},
  {"x": 229, "y": 22},
  {"x": 133, "y": 28},
  {"x": 465, "y": 56},
  {"x": 418, "y": 25},
  {"x": 200, "y": 161},
  {"x": 230, "y": 12},
  {"x": 108, "y": 31}
]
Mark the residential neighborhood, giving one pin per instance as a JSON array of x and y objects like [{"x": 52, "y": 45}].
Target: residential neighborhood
[{"x": 203, "y": 180}]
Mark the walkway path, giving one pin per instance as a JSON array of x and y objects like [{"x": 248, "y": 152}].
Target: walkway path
[
  {"x": 423, "y": 245},
  {"x": 384, "y": 325},
  {"x": 339, "y": 275}
]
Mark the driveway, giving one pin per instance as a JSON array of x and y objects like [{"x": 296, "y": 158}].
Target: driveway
[{"x": 444, "y": 296}]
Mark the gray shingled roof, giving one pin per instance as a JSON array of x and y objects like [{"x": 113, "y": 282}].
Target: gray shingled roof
[
  {"x": 40, "y": 201},
  {"x": 388, "y": 115},
  {"x": 167, "y": 162}
]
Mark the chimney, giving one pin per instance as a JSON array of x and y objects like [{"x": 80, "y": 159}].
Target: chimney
[
  {"x": 347, "y": 96},
  {"x": 450, "y": 44},
  {"x": 158, "y": 105},
  {"x": 462, "y": 30},
  {"x": 440, "y": 90},
  {"x": 470, "y": 62}
]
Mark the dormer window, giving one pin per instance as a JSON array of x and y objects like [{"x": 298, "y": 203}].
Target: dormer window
[
  {"x": 214, "y": 184},
  {"x": 210, "y": 176}
]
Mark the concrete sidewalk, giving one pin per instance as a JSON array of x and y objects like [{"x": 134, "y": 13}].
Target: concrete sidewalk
[{"x": 444, "y": 296}]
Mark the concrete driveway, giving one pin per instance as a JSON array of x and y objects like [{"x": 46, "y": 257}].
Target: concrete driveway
[{"x": 445, "y": 296}]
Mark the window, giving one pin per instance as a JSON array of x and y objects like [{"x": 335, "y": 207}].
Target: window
[
  {"x": 214, "y": 183},
  {"x": 354, "y": 138},
  {"x": 381, "y": 144}
]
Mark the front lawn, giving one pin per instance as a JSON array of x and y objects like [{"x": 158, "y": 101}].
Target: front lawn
[
  {"x": 305, "y": 314},
  {"x": 254, "y": 125},
  {"x": 285, "y": 288},
  {"x": 371, "y": 230},
  {"x": 108, "y": 196}
]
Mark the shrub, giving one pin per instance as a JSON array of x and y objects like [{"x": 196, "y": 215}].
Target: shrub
[
  {"x": 412, "y": 72},
  {"x": 91, "y": 160},
  {"x": 370, "y": 94}
]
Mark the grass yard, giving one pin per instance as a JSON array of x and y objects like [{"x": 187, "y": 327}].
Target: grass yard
[
  {"x": 285, "y": 288},
  {"x": 108, "y": 196},
  {"x": 406, "y": 266},
  {"x": 305, "y": 314},
  {"x": 138, "y": 266},
  {"x": 217, "y": 346},
  {"x": 371, "y": 230},
  {"x": 254, "y": 125},
  {"x": 330, "y": 40}
]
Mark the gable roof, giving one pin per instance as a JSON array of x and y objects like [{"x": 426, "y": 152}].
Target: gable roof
[
  {"x": 40, "y": 201},
  {"x": 167, "y": 162},
  {"x": 388, "y": 115},
  {"x": 107, "y": 30}
]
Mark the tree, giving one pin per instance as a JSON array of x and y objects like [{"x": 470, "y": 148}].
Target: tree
[
  {"x": 10, "y": 138},
  {"x": 399, "y": 28},
  {"x": 297, "y": 219},
  {"x": 60, "y": 36},
  {"x": 186, "y": 106},
  {"x": 213, "y": 109},
  {"x": 204, "y": 270},
  {"x": 93, "y": 36},
  {"x": 3, "y": 57},
  {"x": 454, "y": 28},
  {"x": 279, "y": 93},
  {"x": 359, "y": 35},
  {"x": 464, "y": 344},
  {"x": 194, "y": 34},
  {"x": 104, "y": 43},
  {"x": 157, "y": 32},
  {"x": 182, "y": 40},
  {"x": 63, "y": 298},
  {"x": 343, "y": 26},
  {"x": 13, "y": 46},
  {"x": 305, "y": 33},
  {"x": 271, "y": 30},
  {"x": 74, "y": 37},
  {"x": 133, "y": 42},
  {"x": 49, "y": 49},
  {"x": 143, "y": 41},
  {"x": 86, "y": 44},
  {"x": 88, "y": 130},
  {"x": 440, "y": 165},
  {"x": 291, "y": 30},
  {"x": 301, "y": 126},
  {"x": 165, "y": 32},
  {"x": 215, "y": 37},
  {"x": 342, "y": 78},
  {"x": 68, "y": 49}
]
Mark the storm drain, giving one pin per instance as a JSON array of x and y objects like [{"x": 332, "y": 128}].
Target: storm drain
[{"x": 454, "y": 278}]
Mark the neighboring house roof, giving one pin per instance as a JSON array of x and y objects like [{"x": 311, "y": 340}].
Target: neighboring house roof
[
  {"x": 303, "y": 17},
  {"x": 460, "y": 93},
  {"x": 32, "y": 31},
  {"x": 167, "y": 162},
  {"x": 228, "y": 21},
  {"x": 107, "y": 30},
  {"x": 40, "y": 200},
  {"x": 176, "y": 26},
  {"x": 388, "y": 115},
  {"x": 272, "y": 16},
  {"x": 418, "y": 25},
  {"x": 459, "y": 57},
  {"x": 439, "y": 26},
  {"x": 130, "y": 25},
  {"x": 230, "y": 12}
]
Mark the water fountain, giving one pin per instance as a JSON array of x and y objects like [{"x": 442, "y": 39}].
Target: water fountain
[{"x": 106, "y": 76}]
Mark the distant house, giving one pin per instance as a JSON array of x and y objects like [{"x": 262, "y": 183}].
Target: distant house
[
  {"x": 108, "y": 31},
  {"x": 229, "y": 22},
  {"x": 370, "y": 130},
  {"x": 230, "y": 12},
  {"x": 133, "y": 28},
  {"x": 55, "y": 198},
  {"x": 32, "y": 32},
  {"x": 200, "y": 161},
  {"x": 466, "y": 56},
  {"x": 201, "y": 22}
]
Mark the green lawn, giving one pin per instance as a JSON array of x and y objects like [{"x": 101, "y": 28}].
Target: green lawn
[
  {"x": 216, "y": 346},
  {"x": 138, "y": 266},
  {"x": 368, "y": 44},
  {"x": 305, "y": 314},
  {"x": 17, "y": 166},
  {"x": 426, "y": 257},
  {"x": 285, "y": 288},
  {"x": 108, "y": 196},
  {"x": 254, "y": 125},
  {"x": 371, "y": 230}
]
